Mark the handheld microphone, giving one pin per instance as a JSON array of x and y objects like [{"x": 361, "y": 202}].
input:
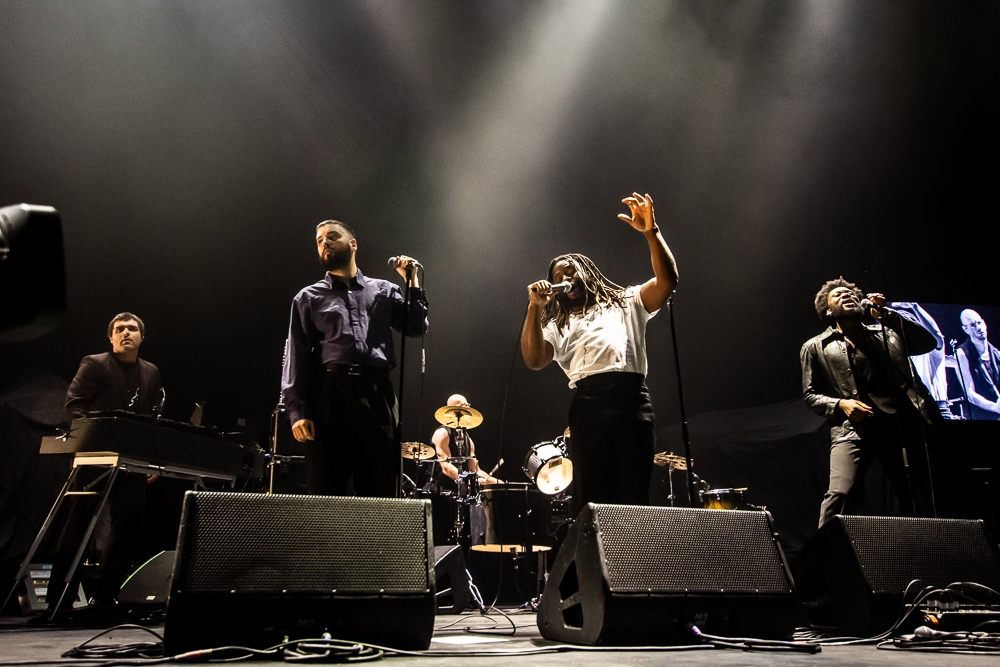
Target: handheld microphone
[
  {"x": 392, "y": 261},
  {"x": 564, "y": 286},
  {"x": 158, "y": 410},
  {"x": 868, "y": 305}
]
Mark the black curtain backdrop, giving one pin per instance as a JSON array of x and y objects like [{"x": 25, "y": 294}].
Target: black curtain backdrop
[{"x": 191, "y": 147}]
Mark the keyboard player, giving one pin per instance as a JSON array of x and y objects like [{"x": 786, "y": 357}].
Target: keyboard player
[{"x": 115, "y": 380}]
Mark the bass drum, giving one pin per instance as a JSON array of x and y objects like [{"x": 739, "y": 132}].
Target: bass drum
[
  {"x": 510, "y": 517},
  {"x": 724, "y": 499}
]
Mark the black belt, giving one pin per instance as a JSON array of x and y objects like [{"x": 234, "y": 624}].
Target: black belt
[
  {"x": 356, "y": 369},
  {"x": 611, "y": 379}
]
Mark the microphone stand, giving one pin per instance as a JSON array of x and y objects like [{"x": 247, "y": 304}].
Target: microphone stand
[
  {"x": 923, "y": 426},
  {"x": 402, "y": 368},
  {"x": 899, "y": 417},
  {"x": 680, "y": 399}
]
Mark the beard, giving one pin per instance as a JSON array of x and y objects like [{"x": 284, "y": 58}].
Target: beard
[
  {"x": 337, "y": 259},
  {"x": 847, "y": 313}
]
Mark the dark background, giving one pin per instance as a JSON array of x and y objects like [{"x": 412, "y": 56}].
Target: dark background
[{"x": 191, "y": 147}]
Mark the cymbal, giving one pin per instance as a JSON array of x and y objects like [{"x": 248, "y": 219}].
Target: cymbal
[
  {"x": 673, "y": 460},
  {"x": 458, "y": 417},
  {"x": 418, "y": 451}
]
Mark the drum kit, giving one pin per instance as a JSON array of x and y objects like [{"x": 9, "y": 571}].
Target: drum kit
[
  {"x": 505, "y": 517},
  {"x": 711, "y": 499},
  {"x": 521, "y": 517}
]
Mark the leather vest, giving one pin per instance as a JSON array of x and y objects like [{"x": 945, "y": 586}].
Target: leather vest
[{"x": 982, "y": 382}]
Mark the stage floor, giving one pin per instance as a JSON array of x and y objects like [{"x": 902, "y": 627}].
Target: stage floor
[{"x": 494, "y": 639}]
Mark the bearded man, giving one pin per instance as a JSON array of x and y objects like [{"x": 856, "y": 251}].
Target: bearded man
[{"x": 335, "y": 381}]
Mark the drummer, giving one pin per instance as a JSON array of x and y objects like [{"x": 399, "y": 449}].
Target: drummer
[{"x": 457, "y": 443}]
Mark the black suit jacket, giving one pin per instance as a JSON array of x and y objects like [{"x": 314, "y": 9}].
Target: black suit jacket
[{"x": 100, "y": 385}]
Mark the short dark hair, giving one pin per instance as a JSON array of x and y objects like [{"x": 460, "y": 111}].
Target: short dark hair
[
  {"x": 343, "y": 225},
  {"x": 822, "y": 301},
  {"x": 124, "y": 317}
]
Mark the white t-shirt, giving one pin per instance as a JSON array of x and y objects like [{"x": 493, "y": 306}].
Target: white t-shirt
[{"x": 602, "y": 340}]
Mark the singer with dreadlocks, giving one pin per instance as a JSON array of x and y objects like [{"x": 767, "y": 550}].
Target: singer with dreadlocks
[{"x": 596, "y": 331}]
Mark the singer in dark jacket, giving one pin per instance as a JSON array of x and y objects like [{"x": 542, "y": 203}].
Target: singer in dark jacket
[
  {"x": 335, "y": 383},
  {"x": 869, "y": 398},
  {"x": 116, "y": 380}
]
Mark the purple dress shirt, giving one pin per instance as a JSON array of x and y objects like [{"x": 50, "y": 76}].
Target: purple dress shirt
[{"x": 334, "y": 322}]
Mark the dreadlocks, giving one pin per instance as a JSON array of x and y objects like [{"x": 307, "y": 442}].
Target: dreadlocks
[
  {"x": 599, "y": 289},
  {"x": 824, "y": 294}
]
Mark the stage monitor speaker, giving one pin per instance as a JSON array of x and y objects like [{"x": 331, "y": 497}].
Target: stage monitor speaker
[
  {"x": 147, "y": 588},
  {"x": 252, "y": 569},
  {"x": 852, "y": 573},
  {"x": 452, "y": 580},
  {"x": 630, "y": 575}
]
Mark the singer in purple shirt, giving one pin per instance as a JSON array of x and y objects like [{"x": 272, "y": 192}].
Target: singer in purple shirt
[{"x": 335, "y": 382}]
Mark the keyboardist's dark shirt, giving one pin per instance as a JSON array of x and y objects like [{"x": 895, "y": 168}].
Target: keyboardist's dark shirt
[{"x": 131, "y": 373}]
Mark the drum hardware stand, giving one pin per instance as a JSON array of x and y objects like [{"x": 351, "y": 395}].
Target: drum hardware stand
[
  {"x": 274, "y": 459},
  {"x": 279, "y": 410},
  {"x": 672, "y": 462},
  {"x": 559, "y": 512},
  {"x": 525, "y": 552},
  {"x": 469, "y": 482},
  {"x": 468, "y": 495},
  {"x": 702, "y": 487}
]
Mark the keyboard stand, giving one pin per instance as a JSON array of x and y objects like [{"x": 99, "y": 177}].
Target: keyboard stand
[{"x": 107, "y": 460}]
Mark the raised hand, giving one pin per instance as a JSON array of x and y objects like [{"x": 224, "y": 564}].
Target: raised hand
[{"x": 641, "y": 207}]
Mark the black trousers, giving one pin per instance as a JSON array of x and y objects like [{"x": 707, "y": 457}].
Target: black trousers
[
  {"x": 612, "y": 436},
  {"x": 880, "y": 439},
  {"x": 356, "y": 419}
]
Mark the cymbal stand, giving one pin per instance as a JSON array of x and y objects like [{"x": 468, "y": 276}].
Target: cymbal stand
[{"x": 670, "y": 482}]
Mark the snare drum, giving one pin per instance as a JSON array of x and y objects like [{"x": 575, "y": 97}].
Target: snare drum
[
  {"x": 509, "y": 517},
  {"x": 723, "y": 499},
  {"x": 548, "y": 468}
]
